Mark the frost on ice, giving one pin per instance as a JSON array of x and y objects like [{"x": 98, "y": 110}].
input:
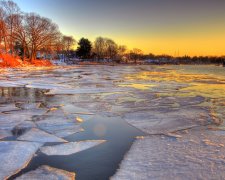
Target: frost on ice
[
  {"x": 47, "y": 173},
  {"x": 70, "y": 148},
  {"x": 15, "y": 155},
  {"x": 36, "y": 135}
]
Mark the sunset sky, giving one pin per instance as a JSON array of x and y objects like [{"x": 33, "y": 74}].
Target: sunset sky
[{"x": 175, "y": 27}]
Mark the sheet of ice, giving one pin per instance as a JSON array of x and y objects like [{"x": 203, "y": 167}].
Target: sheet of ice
[
  {"x": 60, "y": 126},
  {"x": 189, "y": 157},
  {"x": 156, "y": 122},
  {"x": 23, "y": 127},
  {"x": 15, "y": 155},
  {"x": 83, "y": 91},
  {"x": 11, "y": 84},
  {"x": 47, "y": 173},
  {"x": 28, "y": 112},
  {"x": 28, "y": 105},
  {"x": 36, "y": 135},
  {"x": 9, "y": 121},
  {"x": 73, "y": 109},
  {"x": 8, "y": 107},
  {"x": 70, "y": 148},
  {"x": 5, "y": 133},
  {"x": 44, "y": 85}
]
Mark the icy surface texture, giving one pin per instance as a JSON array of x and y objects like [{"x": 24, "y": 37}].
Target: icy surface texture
[
  {"x": 47, "y": 173},
  {"x": 50, "y": 105},
  {"x": 60, "y": 126},
  {"x": 15, "y": 155},
  {"x": 36, "y": 135},
  {"x": 191, "y": 156},
  {"x": 70, "y": 148}
]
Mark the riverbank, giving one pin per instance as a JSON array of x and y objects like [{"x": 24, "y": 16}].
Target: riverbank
[{"x": 9, "y": 61}]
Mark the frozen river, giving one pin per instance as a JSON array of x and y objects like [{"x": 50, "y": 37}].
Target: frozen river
[{"x": 118, "y": 122}]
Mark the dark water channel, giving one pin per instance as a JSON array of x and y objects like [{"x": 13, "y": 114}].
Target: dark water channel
[{"x": 100, "y": 162}]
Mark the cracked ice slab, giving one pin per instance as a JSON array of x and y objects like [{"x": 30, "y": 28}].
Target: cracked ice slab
[
  {"x": 83, "y": 91},
  {"x": 48, "y": 173},
  {"x": 8, "y": 107},
  {"x": 37, "y": 135},
  {"x": 70, "y": 148},
  {"x": 156, "y": 122},
  {"x": 191, "y": 156},
  {"x": 15, "y": 155},
  {"x": 60, "y": 126},
  {"x": 4, "y": 133}
]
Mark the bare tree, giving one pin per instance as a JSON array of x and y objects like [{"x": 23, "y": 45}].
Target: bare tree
[
  {"x": 68, "y": 42},
  {"x": 41, "y": 32},
  {"x": 121, "y": 52},
  {"x": 105, "y": 48},
  {"x": 3, "y": 29},
  {"x": 135, "y": 54},
  {"x": 20, "y": 34},
  {"x": 11, "y": 9},
  {"x": 111, "y": 48},
  {"x": 99, "y": 47}
]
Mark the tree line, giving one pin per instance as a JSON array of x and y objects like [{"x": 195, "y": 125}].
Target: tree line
[
  {"x": 30, "y": 35},
  {"x": 25, "y": 34}
]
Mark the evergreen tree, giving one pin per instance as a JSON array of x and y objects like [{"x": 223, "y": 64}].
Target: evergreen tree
[{"x": 84, "y": 48}]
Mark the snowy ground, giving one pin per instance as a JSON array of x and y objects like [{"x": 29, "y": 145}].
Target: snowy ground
[{"x": 180, "y": 109}]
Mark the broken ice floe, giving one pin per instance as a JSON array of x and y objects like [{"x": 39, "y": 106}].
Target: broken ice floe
[
  {"x": 60, "y": 126},
  {"x": 37, "y": 135},
  {"x": 72, "y": 109},
  {"x": 15, "y": 155},
  {"x": 47, "y": 173},
  {"x": 27, "y": 105},
  {"x": 188, "y": 157},
  {"x": 8, "y": 107},
  {"x": 155, "y": 122},
  {"x": 70, "y": 148},
  {"x": 5, "y": 133},
  {"x": 83, "y": 91},
  {"x": 9, "y": 121},
  {"x": 23, "y": 127}
]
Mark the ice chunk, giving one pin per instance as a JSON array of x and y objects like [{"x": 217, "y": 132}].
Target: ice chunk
[
  {"x": 72, "y": 109},
  {"x": 23, "y": 127},
  {"x": 43, "y": 85},
  {"x": 8, "y": 107},
  {"x": 11, "y": 84},
  {"x": 37, "y": 135},
  {"x": 83, "y": 91},
  {"x": 9, "y": 121},
  {"x": 47, "y": 173},
  {"x": 28, "y": 112},
  {"x": 14, "y": 156},
  {"x": 60, "y": 126},
  {"x": 28, "y": 105},
  {"x": 4, "y": 133},
  {"x": 159, "y": 157},
  {"x": 70, "y": 148},
  {"x": 156, "y": 122}
]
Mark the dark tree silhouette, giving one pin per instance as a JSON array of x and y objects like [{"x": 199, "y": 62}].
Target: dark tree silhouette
[{"x": 84, "y": 48}]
